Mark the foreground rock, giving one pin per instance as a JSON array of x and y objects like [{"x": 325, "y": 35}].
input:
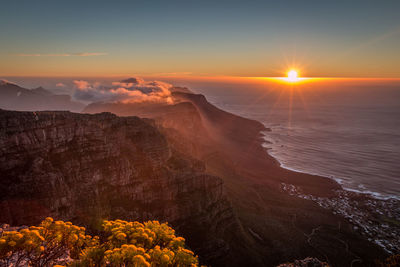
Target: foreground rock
[{"x": 87, "y": 168}]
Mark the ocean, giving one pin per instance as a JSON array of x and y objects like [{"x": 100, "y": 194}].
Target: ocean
[{"x": 346, "y": 130}]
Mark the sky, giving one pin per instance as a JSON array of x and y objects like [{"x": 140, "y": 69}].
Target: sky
[{"x": 200, "y": 38}]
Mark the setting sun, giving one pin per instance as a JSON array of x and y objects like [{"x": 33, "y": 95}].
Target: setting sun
[{"x": 292, "y": 76}]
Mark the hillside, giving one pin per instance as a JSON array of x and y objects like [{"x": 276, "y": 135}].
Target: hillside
[{"x": 280, "y": 225}]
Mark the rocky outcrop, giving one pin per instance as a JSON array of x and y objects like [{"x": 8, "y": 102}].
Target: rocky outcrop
[{"x": 86, "y": 168}]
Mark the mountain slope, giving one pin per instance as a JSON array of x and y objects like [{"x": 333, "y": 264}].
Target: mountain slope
[
  {"x": 86, "y": 168},
  {"x": 281, "y": 226}
]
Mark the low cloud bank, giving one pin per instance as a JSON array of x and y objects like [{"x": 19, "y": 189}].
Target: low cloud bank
[{"x": 127, "y": 91}]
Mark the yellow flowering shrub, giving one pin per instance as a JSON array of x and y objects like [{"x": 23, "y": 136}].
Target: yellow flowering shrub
[
  {"x": 123, "y": 244},
  {"x": 139, "y": 244},
  {"x": 43, "y": 244}
]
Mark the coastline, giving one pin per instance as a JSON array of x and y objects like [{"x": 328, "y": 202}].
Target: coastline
[
  {"x": 375, "y": 217},
  {"x": 340, "y": 181}
]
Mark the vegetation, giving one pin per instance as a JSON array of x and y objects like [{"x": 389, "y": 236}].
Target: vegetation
[{"x": 121, "y": 243}]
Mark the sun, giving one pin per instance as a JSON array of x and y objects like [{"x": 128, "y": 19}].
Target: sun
[{"x": 292, "y": 76}]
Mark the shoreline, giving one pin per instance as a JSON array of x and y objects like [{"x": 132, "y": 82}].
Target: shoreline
[
  {"x": 376, "y": 218},
  {"x": 368, "y": 193},
  {"x": 264, "y": 142}
]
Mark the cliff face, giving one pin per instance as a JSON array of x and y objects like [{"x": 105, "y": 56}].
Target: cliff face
[{"x": 85, "y": 168}]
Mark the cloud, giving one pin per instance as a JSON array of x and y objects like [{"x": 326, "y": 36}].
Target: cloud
[
  {"x": 151, "y": 91},
  {"x": 82, "y": 85},
  {"x": 60, "y": 85},
  {"x": 43, "y": 55},
  {"x": 89, "y": 54},
  {"x": 85, "y": 54}
]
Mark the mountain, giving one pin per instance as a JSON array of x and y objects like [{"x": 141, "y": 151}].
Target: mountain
[
  {"x": 280, "y": 225},
  {"x": 87, "y": 168},
  {"x": 131, "y": 80},
  {"x": 14, "y": 97}
]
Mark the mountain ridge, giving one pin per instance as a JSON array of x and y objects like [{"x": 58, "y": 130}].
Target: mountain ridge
[{"x": 15, "y": 97}]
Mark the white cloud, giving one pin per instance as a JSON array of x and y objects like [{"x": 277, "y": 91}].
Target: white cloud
[
  {"x": 82, "y": 85},
  {"x": 123, "y": 91}
]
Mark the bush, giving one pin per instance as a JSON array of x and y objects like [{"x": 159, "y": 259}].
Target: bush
[{"x": 123, "y": 244}]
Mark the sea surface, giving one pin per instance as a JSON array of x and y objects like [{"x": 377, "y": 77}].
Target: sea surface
[{"x": 349, "y": 131}]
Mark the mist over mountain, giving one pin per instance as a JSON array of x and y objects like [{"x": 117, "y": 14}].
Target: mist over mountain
[{"x": 132, "y": 90}]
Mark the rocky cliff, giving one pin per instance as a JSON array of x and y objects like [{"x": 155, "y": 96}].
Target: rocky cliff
[{"x": 86, "y": 168}]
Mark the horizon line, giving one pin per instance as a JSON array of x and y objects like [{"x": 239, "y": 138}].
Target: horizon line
[{"x": 198, "y": 76}]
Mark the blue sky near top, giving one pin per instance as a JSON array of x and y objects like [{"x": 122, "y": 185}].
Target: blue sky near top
[{"x": 230, "y": 38}]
